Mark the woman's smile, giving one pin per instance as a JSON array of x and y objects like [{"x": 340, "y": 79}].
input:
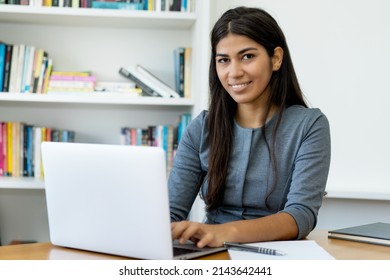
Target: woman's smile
[{"x": 237, "y": 87}]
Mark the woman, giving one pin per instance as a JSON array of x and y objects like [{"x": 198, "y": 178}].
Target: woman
[{"x": 259, "y": 155}]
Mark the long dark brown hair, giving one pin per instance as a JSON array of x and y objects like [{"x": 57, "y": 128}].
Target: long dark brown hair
[{"x": 261, "y": 27}]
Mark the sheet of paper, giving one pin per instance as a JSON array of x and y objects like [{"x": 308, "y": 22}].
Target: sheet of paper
[{"x": 295, "y": 250}]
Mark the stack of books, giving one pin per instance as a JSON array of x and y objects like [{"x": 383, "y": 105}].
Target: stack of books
[
  {"x": 71, "y": 82},
  {"x": 24, "y": 68},
  {"x": 145, "y": 5},
  {"x": 165, "y": 136},
  {"x": 20, "y": 147}
]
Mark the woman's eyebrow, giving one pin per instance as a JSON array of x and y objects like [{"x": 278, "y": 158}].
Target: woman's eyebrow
[{"x": 240, "y": 52}]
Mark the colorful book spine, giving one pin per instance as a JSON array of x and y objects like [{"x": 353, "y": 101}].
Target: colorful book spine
[
  {"x": 37, "y": 69},
  {"x": 7, "y": 68},
  {"x": 29, "y": 70},
  {"x": 5, "y": 148},
  {"x": 9, "y": 149},
  {"x": 19, "y": 72},
  {"x": 54, "y": 77},
  {"x": 24, "y": 68},
  {"x": 179, "y": 70},
  {"x": 3, "y": 54},
  {"x": 187, "y": 72},
  {"x": 1, "y": 150},
  {"x": 175, "y": 5},
  {"x": 41, "y": 73},
  {"x": 72, "y": 73},
  {"x": 13, "y": 68},
  {"x": 117, "y": 5},
  {"x": 46, "y": 79}
]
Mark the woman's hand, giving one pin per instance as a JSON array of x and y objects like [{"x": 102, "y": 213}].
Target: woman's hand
[
  {"x": 279, "y": 226},
  {"x": 201, "y": 234}
]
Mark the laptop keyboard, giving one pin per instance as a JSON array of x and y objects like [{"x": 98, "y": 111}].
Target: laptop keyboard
[{"x": 182, "y": 251}]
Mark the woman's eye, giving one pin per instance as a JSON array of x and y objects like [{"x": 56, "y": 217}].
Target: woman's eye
[
  {"x": 247, "y": 56},
  {"x": 222, "y": 60}
]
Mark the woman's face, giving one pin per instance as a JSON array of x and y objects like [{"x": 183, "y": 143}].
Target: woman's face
[{"x": 245, "y": 68}]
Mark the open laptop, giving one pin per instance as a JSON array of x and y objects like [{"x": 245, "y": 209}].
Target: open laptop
[{"x": 111, "y": 199}]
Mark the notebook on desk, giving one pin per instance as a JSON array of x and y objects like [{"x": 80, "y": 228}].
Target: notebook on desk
[
  {"x": 111, "y": 199},
  {"x": 374, "y": 233}
]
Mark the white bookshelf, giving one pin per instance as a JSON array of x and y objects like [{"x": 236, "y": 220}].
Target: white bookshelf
[
  {"x": 96, "y": 98},
  {"x": 100, "y": 41},
  {"x": 96, "y": 17},
  {"x": 22, "y": 183}
]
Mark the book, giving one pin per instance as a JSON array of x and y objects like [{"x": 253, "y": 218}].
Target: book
[
  {"x": 117, "y": 5},
  {"x": 72, "y": 78},
  {"x": 125, "y": 88},
  {"x": 13, "y": 68},
  {"x": 375, "y": 233},
  {"x": 157, "y": 5},
  {"x": 3, "y": 54},
  {"x": 49, "y": 68},
  {"x": 187, "y": 71},
  {"x": 156, "y": 83},
  {"x": 183, "y": 6},
  {"x": 37, "y": 157},
  {"x": 28, "y": 151},
  {"x": 24, "y": 68},
  {"x": 9, "y": 149},
  {"x": 16, "y": 149},
  {"x": 19, "y": 73},
  {"x": 41, "y": 75},
  {"x": 29, "y": 70},
  {"x": 7, "y": 68},
  {"x": 132, "y": 75},
  {"x": 5, "y": 148},
  {"x": 178, "y": 60},
  {"x": 72, "y": 73},
  {"x": 175, "y": 5},
  {"x": 71, "y": 84},
  {"x": 37, "y": 69},
  {"x": 1, "y": 150}
]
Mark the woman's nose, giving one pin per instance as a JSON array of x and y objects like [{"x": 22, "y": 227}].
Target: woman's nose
[{"x": 235, "y": 69}]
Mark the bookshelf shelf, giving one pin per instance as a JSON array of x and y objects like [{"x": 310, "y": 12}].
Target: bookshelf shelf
[
  {"x": 96, "y": 17},
  {"x": 96, "y": 98},
  {"x": 21, "y": 183},
  {"x": 359, "y": 195}
]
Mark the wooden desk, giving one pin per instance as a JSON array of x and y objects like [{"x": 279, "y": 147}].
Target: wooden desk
[{"x": 340, "y": 249}]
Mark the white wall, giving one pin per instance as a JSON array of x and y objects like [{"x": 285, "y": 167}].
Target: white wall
[{"x": 340, "y": 212}]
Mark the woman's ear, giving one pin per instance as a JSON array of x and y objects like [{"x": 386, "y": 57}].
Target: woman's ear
[{"x": 277, "y": 58}]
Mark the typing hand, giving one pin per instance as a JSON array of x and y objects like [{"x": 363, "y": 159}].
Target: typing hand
[{"x": 202, "y": 234}]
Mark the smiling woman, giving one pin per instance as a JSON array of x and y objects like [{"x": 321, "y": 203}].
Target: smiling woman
[{"x": 259, "y": 157}]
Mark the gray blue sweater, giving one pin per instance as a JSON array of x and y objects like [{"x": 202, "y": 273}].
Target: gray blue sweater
[{"x": 302, "y": 157}]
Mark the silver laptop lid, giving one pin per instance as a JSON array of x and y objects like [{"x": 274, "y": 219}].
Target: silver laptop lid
[{"x": 108, "y": 198}]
